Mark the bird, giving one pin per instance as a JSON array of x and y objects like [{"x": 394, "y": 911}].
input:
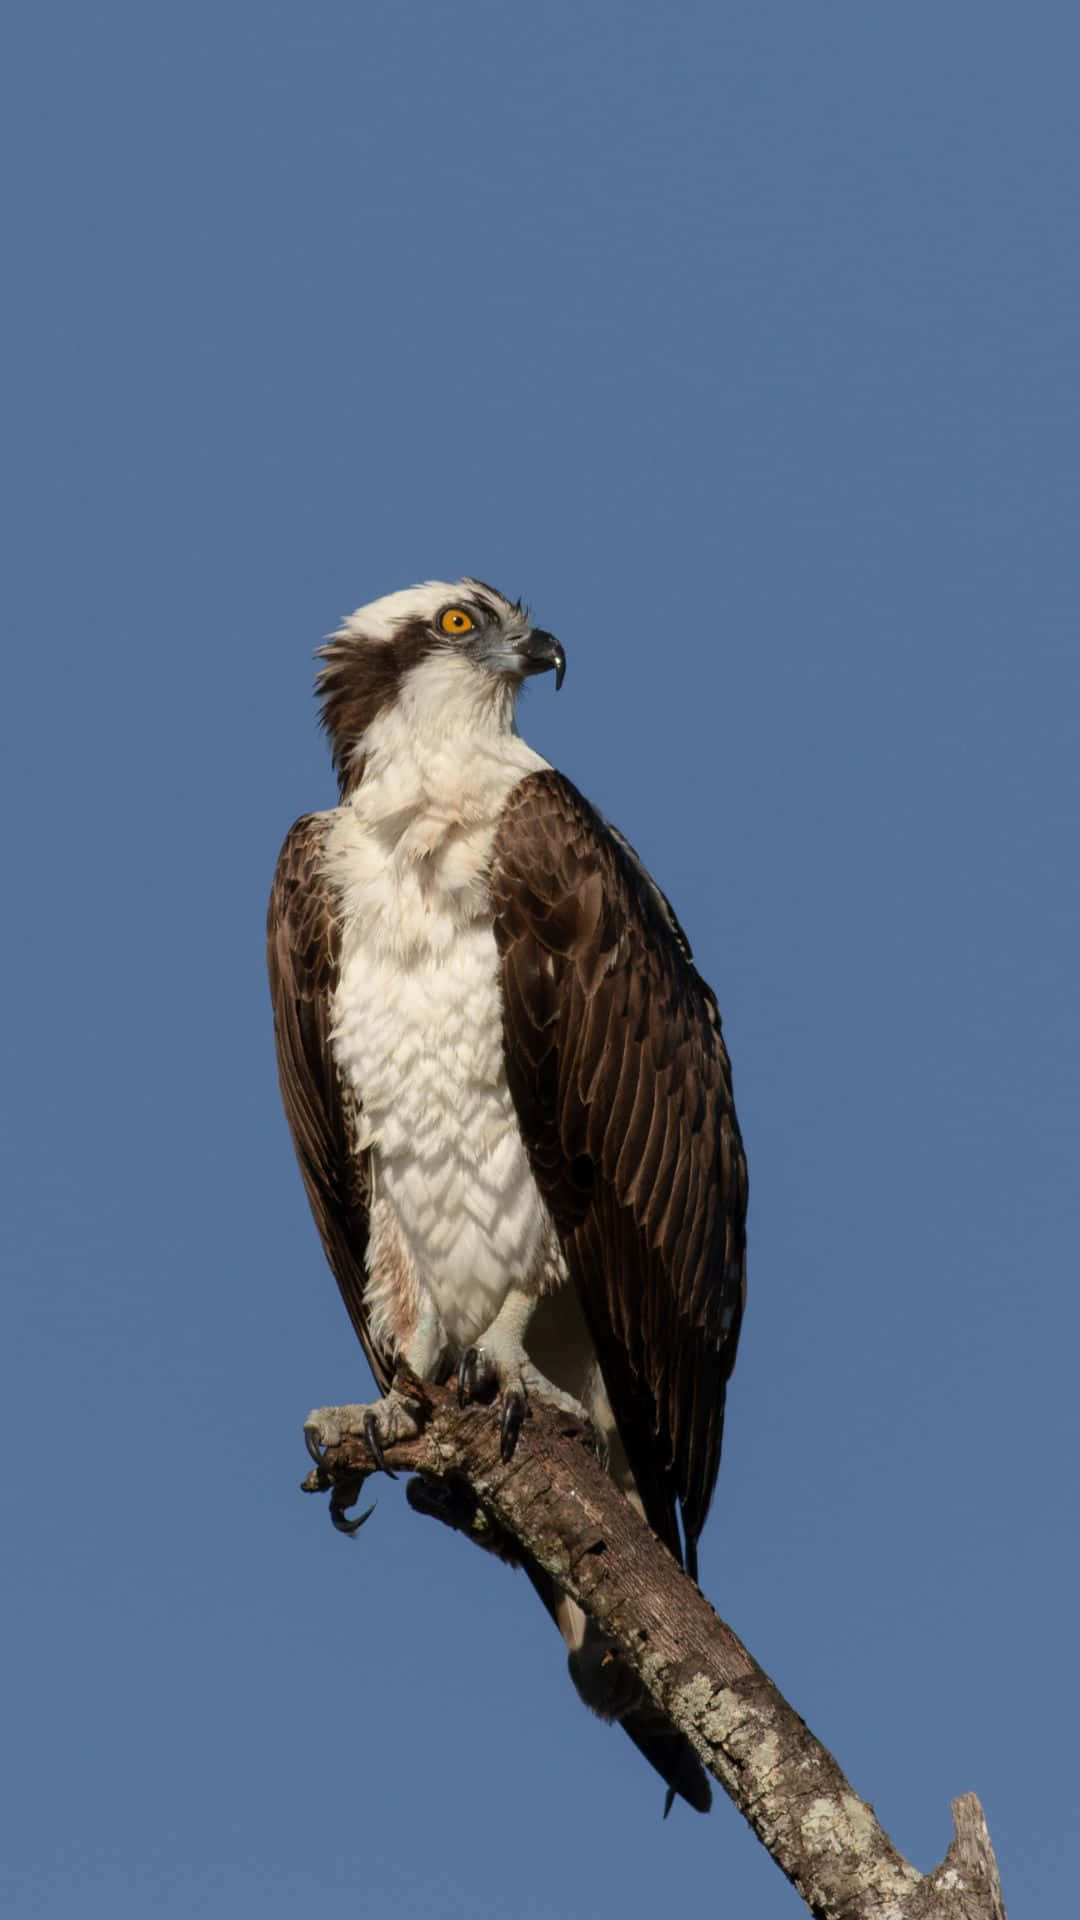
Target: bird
[{"x": 508, "y": 1089}]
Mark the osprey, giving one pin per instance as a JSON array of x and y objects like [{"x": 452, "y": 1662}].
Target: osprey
[{"x": 507, "y": 1086}]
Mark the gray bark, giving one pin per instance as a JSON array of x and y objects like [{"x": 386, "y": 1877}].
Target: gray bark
[{"x": 554, "y": 1501}]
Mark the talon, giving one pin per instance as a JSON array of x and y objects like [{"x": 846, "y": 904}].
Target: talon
[
  {"x": 374, "y": 1444},
  {"x": 466, "y": 1375},
  {"x": 311, "y": 1442},
  {"x": 340, "y": 1500},
  {"x": 515, "y": 1410}
]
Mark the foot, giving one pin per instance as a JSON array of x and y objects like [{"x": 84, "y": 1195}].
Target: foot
[
  {"x": 499, "y": 1368},
  {"x": 378, "y": 1424}
]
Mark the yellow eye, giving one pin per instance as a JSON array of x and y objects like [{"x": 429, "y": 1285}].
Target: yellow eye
[{"x": 456, "y": 620}]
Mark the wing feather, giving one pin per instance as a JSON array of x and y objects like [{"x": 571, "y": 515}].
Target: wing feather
[
  {"x": 622, "y": 1085},
  {"x": 302, "y": 946}
]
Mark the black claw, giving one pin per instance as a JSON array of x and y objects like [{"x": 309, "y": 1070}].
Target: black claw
[
  {"x": 371, "y": 1435},
  {"x": 515, "y": 1407},
  {"x": 466, "y": 1375},
  {"x": 669, "y": 1801},
  {"x": 312, "y": 1444},
  {"x": 341, "y": 1500}
]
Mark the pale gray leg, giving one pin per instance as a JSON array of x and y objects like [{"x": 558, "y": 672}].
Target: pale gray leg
[
  {"x": 499, "y": 1364},
  {"x": 395, "y": 1416}
]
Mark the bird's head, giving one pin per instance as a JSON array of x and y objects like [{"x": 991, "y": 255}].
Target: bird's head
[{"x": 456, "y": 652}]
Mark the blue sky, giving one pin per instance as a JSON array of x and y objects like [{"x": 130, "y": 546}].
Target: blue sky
[{"x": 743, "y": 343}]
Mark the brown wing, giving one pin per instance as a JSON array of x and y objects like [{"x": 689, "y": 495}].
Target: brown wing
[
  {"x": 622, "y": 1085},
  {"x": 302, "y": 940}
]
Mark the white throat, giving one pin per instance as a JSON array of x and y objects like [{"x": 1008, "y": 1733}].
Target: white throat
[
  {"x": 412, "y": 848},
  {"x": 447, "y": 752}
]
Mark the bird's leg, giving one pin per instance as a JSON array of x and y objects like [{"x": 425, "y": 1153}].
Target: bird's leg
[
  {"x": 395, "y": 1416},
  {"x": 499, "y": 1365}
]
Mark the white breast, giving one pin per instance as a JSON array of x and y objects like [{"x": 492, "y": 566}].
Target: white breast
[{"x": 418, "y": 1020}]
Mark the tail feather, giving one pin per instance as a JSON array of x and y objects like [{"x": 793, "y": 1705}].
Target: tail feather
[
  {"x": 603, "y": 1680},
  {"x": 607, "y": 1685},
  {"x": 673, "y": 1757}
]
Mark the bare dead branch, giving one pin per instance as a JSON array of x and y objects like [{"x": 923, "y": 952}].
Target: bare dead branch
[{"x": 555, "y": 1501}]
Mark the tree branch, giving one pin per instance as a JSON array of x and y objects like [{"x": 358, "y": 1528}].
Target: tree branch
[{"x": 555, "y": 1501}]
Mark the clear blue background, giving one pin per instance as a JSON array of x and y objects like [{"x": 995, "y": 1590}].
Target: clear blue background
[{"x": 743, "y": 342}]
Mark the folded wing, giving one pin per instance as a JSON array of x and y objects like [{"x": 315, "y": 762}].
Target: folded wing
[
  {"x": 303, "y": 938},
  {"x": 622, "y": 1085}
]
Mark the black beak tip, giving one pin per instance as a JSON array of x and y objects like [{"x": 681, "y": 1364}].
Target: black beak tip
[{"x": 539, "y": 652}]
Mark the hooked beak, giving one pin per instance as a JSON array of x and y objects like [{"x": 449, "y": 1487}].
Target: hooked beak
[{"x": 539, "y": 651}]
